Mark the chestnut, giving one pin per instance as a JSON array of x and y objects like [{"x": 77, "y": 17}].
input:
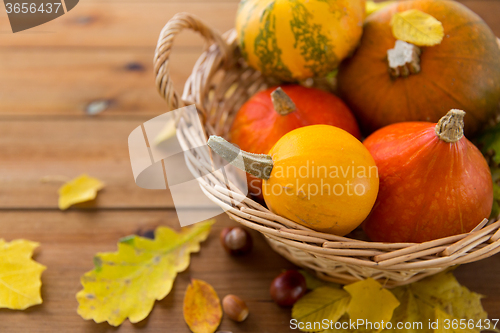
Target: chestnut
[
  {"x": 236, "y": 240},
  {"x": 288, "y": 287}
]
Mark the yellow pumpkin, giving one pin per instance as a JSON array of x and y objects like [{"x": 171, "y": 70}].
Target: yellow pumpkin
[
  {"x": 319, "y": 176},
  {"x": 298, "y": 39}
]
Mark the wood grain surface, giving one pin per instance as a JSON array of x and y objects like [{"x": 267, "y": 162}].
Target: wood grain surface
[{"x": 102, "y": 52}]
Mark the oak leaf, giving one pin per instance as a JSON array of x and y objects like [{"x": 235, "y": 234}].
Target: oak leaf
[
  {"x": 168, "y": 131},
  {"x": 370, "y": 302},
  {"x": 126, "y": 283},
  {"x": 372, "y": 6},
  {"x": 418, "y": 28},
  {"x": 437, "y": 297},
  {"x": 489, "y": 143},
  {"x": 433, "y": 296},
  {"x": 320, "y": 304},
  {"x": 202, "y": 309},
  {"x": 20, "y": 275}
]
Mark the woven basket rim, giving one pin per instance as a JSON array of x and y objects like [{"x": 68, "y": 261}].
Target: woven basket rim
[{"x": 327, "y": 254}]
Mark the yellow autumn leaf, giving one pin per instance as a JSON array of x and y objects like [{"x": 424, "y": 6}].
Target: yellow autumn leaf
[
  {"x": 370, "y": 302},
  {"x": 418, "y": 28},
  {"x": 434, "y": 298},
  {"x": 320, "y": 304},
  {"x": 82, "y": 188},
  {"x": 372, "y": 6},
  {"x": 424, "y": 300},
  {"x": 166, "y": 132},
  {"x": 19, "y": 275},
  {"x": 441, "y": 317},
  {"x": 126, "y": 283},
  {"x": 202, "y": 309}
]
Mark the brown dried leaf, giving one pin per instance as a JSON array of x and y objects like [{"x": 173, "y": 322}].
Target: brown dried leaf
[{"x": 202, "y": 309}]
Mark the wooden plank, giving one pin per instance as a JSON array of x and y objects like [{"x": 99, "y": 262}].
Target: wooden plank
[
  {"x": 118, "y": 24},
  {"x": 66, "y": 81},
  {"x": 33, "y": 149},
  {"x": 70, "y": 240},
  {"x": 138, "y": 23}
]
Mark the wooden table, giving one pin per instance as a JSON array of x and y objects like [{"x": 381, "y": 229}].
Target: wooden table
[{"x": 102, "y": 51}]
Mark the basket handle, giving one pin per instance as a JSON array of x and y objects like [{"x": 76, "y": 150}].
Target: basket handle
[{"x": 162, "y": 54}]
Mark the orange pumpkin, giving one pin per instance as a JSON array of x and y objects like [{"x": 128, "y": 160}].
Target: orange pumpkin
[
  {"x": 461, "y": 72},
  {"x": 434, "y": 182},
  {"x": 272, "y": 113},
  {"x": 319, "y": 176}
]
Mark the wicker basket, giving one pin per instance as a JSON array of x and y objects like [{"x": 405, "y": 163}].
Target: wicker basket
[{"x": 219, "y": 84}]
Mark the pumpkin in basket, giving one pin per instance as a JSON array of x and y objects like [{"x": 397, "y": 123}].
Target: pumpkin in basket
[
  {"x": 298, "y": 39},
  {"x": 463, "y": 71},
  {"x": 319, "y": 176},
  {"x": 434, "y": 182},
  {"x": 272, "y": 113}
]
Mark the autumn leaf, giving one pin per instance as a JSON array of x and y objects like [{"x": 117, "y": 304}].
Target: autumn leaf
[
  {"x": 443, "y": 291},
  {"x": 202, "y": 309},
  {"x": 166, "y": 133},
  {"x": 416, "y": 27},
  {"x": 441, "y": 316},
  {"x": 489, "y": 143},
  {"x": 20, "y": 275},
  {"x": 81, "y": 189},
  {"x": 370, "y": 301},
  {"x": 372, "y": 6},
  {"x": 434, "y": 298},
  {"x": 322, "y": 303},
  {"x": 126, "y": 283}
]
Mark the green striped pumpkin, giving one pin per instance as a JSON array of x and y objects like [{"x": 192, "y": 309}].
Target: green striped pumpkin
[{"x": 297, "y": 39}]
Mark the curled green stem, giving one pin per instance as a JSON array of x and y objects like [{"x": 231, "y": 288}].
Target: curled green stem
[{"x": 258, "y": 165}]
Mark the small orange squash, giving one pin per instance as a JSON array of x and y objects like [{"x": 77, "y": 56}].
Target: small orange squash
[
  {"x": 434, "y": 182},
  {"x": 319, "y": 176},
  {"x": 273, "y": 112},
  {"x": 463, "y": 71}
]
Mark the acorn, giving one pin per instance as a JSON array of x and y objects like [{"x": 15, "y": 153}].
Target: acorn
[{"x": 235, "y": 308}]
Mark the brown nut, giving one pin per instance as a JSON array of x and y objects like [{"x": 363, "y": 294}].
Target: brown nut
[
  {"x": 235, "y": 308},
  {"x": 288, "y": 287},
  {"x": 236, "y": 240}
]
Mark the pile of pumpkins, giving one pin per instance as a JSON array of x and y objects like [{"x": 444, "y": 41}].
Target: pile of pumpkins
[{"x": 415, "y": 177}]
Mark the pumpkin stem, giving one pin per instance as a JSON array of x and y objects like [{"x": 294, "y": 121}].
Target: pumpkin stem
[
  {"x": 258, "y": 165},
  {"x": 450, "y": 128},
  {"x": 282, "y": 103},
  {"x": 404, "y": 59}
]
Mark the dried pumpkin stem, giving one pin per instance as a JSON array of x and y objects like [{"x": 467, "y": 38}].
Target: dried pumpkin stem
[
  {"x": 258, "y": 165},
  {"x": 450, "y": 128},
  {"x": 282, "y": 103},
  {"x": 404, "y": 59}
]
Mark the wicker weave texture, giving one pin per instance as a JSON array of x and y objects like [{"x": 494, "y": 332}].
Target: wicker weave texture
[{"x": 219, "y": 84}]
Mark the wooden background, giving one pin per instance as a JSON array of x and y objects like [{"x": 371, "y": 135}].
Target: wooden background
[{"x": 102, "y": 52}]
